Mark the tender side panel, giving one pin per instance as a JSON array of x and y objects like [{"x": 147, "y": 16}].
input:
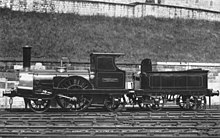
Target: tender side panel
[{"x": 185, "y": 80}]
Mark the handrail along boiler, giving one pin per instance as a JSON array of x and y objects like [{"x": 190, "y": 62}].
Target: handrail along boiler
[{"x": 104, "y": 84}]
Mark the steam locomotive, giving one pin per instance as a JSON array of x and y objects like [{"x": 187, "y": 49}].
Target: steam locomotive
[{"x": 104, "y": 83}]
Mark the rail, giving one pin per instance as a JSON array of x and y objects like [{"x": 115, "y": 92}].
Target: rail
[{"x": 123, "y": 124}]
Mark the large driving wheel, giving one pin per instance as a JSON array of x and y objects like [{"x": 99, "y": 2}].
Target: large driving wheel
[
  {"x": 74, "y": 102},
  {"x": 39, "y": 105},
  {"x": 114, "y": 103}
]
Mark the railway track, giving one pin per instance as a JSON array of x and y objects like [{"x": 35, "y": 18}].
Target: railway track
[{"x": 122, "y": 124}]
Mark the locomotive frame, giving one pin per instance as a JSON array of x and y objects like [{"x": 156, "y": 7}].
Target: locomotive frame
[{"x": 104, "y": 83}]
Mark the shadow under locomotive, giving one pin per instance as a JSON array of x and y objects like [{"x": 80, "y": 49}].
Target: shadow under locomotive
[{"x": 104, "y": 84}]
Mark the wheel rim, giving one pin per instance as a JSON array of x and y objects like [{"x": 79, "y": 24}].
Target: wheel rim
[
  {"x": 72, "y": 102},
  {"x": 114, "y": 104},
  {"x": 187, "y": 102},
  {"x": 39, "y": 105},
  {"x": 141, "y": 103},
  {"x": 143, "y": 106},
  {"x": 201, "y": 103}
]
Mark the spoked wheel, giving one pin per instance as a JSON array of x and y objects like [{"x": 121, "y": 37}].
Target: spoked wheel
[
  {"x": 201, "y": 103},
  {"x": 144, "y": 106},
  {"x": 143, "y": 102},
  {"x": 157, "y": 103},
  {"x": 114, "y": 103},
  {"x": 74, "y": 102},
  {"x": 39, "y": 105},
  {"x": 187, "y": 102}
]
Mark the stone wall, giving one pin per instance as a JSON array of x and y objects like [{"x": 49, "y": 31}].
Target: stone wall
[
  {"x": 122, "y": 1},
  {"x": 91, "y": 8},
  {"x": 213, "y": 5},
  {"x": 164, "y": 11}
]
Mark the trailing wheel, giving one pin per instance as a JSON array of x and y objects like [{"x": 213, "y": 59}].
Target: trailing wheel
[
  {"x": 114, "y": 103},
  {"x": 39, "y": 105},
  {"x": 74, "y": 102}
]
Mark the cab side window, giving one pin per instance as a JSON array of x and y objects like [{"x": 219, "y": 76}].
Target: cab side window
[{"x": 106, "y": 64}]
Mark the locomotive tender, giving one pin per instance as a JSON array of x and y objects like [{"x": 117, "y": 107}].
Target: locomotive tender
[{"x": 104, "y": 84}]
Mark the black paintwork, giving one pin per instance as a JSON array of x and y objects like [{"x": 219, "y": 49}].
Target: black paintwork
[
  {"x": 180, "y": 82},
  {"x": 107, "y": 74}
]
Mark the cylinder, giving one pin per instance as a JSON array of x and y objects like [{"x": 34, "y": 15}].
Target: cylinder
[{"x": 26, "y": 58}]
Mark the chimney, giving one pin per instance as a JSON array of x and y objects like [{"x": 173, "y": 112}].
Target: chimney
[{"x": 26, "y": 58}]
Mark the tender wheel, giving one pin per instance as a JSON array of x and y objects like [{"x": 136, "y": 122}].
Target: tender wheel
[
  {"x": 143, "y": 106},
  {"x": 114, "y": 103},
  {"x": 143, "y": 103},
  {"x": 39, "y": 105},
  {"x": 157, "y": 103},
  {"x": 187, "y": 102},
  {"x": 74, "y": 102},
  {"x": 151, "y": 103},
  {"x": 201, "y": 103}
]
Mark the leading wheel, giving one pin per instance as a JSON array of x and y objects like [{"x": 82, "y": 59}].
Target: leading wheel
[
  {"x": 39, "y": 105},
  {"x": 74, "y": 102},
  {"x": 114, "y": 103}
]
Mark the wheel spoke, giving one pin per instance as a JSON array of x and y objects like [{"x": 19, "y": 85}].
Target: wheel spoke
[
  {"x": 72, "y": 102},
  {"x": 201, "y": 103},
  {"x": 188, "y": 102}
]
